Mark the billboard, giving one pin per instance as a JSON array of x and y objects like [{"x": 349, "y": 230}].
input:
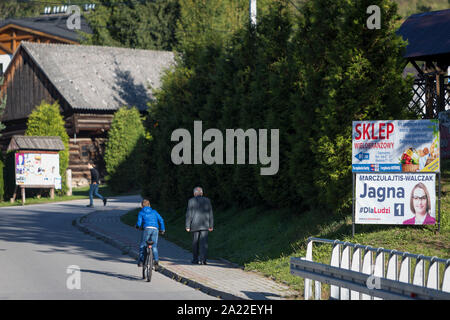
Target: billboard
[
  {"x": 37, "y": 169},
  {"x": 395, "y": 146},
  {"x": 395, "y": 198}
]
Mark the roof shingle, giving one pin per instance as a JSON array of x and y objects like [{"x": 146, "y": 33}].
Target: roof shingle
[
  {"x": 101, "y": 78},
  {"x": 49, "y": 143},
  {"x": 428, "y": 34},
  {"x": 55, "y": 25}
]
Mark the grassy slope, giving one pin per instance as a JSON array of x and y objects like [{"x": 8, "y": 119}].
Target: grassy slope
[{"x": 264, "y": 240}]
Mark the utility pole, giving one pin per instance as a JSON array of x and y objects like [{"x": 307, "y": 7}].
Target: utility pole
[{"x": 252, "y": 12}]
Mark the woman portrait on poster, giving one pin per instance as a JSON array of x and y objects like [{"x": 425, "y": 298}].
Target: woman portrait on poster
[{"x": 420, "y": 204}]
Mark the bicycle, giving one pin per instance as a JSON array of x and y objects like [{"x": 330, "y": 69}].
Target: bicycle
[{"x": 147, "y": 266}]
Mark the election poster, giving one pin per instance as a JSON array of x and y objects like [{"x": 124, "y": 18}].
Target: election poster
[
  {"x": 396, "y": 146},
  {"x": 37, "y": 169},
  {"x": 395, "y": 198}
]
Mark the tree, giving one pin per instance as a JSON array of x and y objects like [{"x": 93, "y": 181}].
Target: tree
[
  {"x": 21, "y": 8},
  {"x": 135, "y": 24},
  {"x": 124, "y": 149},
  {"x": 46, "y": 120},
  {"x": 309, "y": 78},
  {"x": 348, "y": 73}
]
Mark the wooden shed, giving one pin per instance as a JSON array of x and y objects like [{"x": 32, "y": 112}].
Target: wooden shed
[
  {"x": 36, "y": 163},
  {"x": 41, "y": 29},
  {"x": 428, "y": 50},
  {"x": 90, "y": 83}
]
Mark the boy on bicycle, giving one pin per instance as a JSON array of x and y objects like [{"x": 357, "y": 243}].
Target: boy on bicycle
[{"x": 150, "y": 220}]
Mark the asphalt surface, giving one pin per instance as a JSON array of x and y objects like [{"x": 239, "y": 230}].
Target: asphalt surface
[{"x": 39, "y": 247}]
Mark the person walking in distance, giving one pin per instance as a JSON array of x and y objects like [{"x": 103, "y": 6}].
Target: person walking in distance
[
  {"x": 93, "y": 190},
  {"x": 199, "y": 221}
]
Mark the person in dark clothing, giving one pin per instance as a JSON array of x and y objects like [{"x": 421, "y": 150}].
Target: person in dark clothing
[
  {"x": 93, "y": 190},
  {"x": 199, "y": 221}
]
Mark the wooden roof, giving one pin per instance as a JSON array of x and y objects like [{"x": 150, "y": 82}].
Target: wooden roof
[
  {"x": 40, "y": 29},
  {"x": 49, "y": 143},
  {"x": 96, "y": 78},
  {"x": 428, "y": 35}
]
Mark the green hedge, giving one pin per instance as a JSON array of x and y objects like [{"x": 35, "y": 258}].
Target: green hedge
[
  {"x": 124, "y": 148},
  {"x": 309, "y": 76}
]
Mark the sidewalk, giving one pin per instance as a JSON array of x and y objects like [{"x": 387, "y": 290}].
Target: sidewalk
[{"x": 218, "y": 278}]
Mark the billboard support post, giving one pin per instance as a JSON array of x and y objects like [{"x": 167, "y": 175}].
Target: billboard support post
[
  {"x": 353, "y": 206},
  {"x": 439, "y": 202}
]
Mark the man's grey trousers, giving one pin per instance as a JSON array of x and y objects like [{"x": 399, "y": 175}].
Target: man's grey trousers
[{"x": 199, "y": 245}]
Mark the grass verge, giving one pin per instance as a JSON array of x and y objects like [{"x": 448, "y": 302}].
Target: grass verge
[
  {"x": 264, "y": 240},
  {"x": 77, "y": 193}
]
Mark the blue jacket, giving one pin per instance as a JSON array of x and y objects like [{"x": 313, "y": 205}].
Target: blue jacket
[{"x": 148, "y": 217}]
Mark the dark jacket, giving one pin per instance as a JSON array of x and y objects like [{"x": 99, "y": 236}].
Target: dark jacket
[
  {"x": 199, "y": 214},
  {"x": 94, "y": 176}
]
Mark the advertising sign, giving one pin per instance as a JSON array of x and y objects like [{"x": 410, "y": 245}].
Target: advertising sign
[
  {"x": 396, "y": 198},
  {"x": 395, "y": 146},
  {"x": 37, "y": 169}
]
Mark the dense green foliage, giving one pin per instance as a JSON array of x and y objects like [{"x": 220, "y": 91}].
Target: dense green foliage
[
  {"x": 134, "y": 24},
  {"x": 22, "y": 8},
  {"x": 307, "y": 75},
  {"x": 46, "y": 120},
  {"x": 124, "y": 147}
]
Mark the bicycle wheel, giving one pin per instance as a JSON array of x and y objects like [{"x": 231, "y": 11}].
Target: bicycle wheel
[
  {"x": 145, "y": 265},
  {"x": 149, "y": 265}
]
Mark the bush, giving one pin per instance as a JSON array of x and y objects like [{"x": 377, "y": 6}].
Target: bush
[
  {"x": 46, "y": 120},
  {"x": 308, "y": 76},
  {"x": 123, "y": 151}
]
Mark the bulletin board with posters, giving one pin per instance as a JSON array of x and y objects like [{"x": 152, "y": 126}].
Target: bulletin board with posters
[
  {"x": 396, "y": 171},
  {"x": 37, "y": 169}
]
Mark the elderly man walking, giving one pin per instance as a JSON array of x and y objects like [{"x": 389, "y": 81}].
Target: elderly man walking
[{"x": 199, "y": 221}]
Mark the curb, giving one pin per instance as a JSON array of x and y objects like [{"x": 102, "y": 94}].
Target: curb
[{"x": 78, "y": 223}]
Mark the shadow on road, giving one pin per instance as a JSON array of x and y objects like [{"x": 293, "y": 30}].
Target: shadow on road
[
  {"x": 112, "y": 274},
  {"x": 51, "y": 225}
]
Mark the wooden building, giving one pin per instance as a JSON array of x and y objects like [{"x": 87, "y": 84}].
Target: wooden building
[
  {"x": 428, "y": 51},
  {"x": 42, "y": 29},
  {"x": 89, "y": 82}
]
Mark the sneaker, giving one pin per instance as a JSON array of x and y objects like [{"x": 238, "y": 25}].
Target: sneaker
[
  {"x": 194, "y": 262},
  {"x": 156, "y": 265},
  {"x": 104, "y": 201},
  {"x": 89, "y": 206},
  {"x": 139, "y": 264}
]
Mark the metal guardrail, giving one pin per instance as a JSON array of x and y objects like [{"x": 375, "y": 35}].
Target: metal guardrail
[{"x": 366, "y": 274}]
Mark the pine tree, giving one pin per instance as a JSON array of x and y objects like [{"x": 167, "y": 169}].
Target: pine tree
[
  {"x": 134, "y": 24},
  {"x": 349, "y": 73}
]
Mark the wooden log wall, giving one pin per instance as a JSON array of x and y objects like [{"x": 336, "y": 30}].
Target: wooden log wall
[{"x": 81, "y": 151}]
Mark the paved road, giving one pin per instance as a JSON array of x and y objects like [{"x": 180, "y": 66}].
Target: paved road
[{"x": 38, "y": 243}]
